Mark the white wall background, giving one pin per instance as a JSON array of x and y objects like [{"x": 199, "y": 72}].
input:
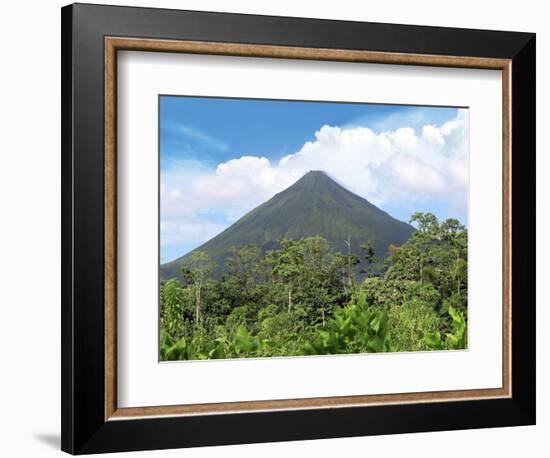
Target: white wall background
[{"x": 30, "y": 227}]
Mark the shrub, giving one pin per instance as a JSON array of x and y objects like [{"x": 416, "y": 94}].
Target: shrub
[
  {"x": 354, "y": 329},
  {"x": 455, "y": 340},
  {"x": 409, "y": 323}
]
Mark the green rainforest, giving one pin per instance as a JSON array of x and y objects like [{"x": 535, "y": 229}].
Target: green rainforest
[{"x": 304, "y": 296}]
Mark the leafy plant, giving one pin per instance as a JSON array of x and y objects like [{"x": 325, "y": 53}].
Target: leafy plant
[
  {"x": 455, "y": 340},
  {"x": 354, "y": 329}
]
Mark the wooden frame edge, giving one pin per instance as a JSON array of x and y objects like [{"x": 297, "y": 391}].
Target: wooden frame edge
[
  {"x": 507, "y": 228},
  {"x": 335, "y": 402},
  {"x": 110, "y": 202},
  {"x": 112, "y": 45}
]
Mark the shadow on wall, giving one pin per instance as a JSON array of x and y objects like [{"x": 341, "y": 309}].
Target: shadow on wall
[{"x": 51, "y": 439}]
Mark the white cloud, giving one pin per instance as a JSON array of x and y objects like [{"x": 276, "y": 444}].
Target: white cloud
[
  {"x": 398, "y": 167},
  {"x": 432, "y": 134},
  {"x": 394, "y": 166}
]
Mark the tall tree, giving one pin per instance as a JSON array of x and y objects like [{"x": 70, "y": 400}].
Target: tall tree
[
  {"x": 242, "y": 271},
  {"x": 171, "y": 307},
  {"x": 370, "y": 258},
  {"x": 196, "y": 271},
  {"x": 437, "y": 254},
  {"x": 286, "y": 263},
  {"x": 352, "y": 261}
]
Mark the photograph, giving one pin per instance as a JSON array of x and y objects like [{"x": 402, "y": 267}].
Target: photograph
[
  {"x": 297, "y": 228},
  {"x": 270, "y": 219}
]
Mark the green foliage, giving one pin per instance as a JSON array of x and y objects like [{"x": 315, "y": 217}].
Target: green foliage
[
  {"x": 172, "y": 307},
  {"x": 196, "y": 270},
  {"x": 372, "y": 268},
  {"x": 354, "y": 329},
  {"x": 436, "y": 254},
  {"x": 385, "y": 293},
  {"x": 410, "y": 321},
  {"x": 306, "y": 278},
  {"x": 305, "y": 298},
  {"x": 199, "y": 347},
  {"x": 243, "y": 341},
  {"x": 455, "y": 340}
]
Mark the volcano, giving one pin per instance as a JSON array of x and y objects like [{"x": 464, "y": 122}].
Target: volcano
[{"x": 315, "y": 205}]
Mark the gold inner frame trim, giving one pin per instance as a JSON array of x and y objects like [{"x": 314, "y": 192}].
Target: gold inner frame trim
[{"x": 114, "y": 44}]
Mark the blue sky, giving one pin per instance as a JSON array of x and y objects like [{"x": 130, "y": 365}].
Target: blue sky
[{"x": 220, "y": 157}]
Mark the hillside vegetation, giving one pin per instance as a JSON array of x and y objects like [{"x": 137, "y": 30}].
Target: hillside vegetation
[{"x": 304, "y": 296}]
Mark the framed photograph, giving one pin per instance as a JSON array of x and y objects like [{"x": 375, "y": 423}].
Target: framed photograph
[{"x": 282, "y": 228}]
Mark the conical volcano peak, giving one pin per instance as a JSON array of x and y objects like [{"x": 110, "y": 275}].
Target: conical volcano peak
[
  {"x": 316, "y": 175},
  {"x": 315, "y": 205},
  {"x": 316, "y": 179},
  {"x": 318, "y": 185}
]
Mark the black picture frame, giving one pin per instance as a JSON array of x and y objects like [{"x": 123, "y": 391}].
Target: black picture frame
[{"x": 84, "y": 428}]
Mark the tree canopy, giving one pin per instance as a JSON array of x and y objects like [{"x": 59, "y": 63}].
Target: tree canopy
[{"x": 305, "y": 298}]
